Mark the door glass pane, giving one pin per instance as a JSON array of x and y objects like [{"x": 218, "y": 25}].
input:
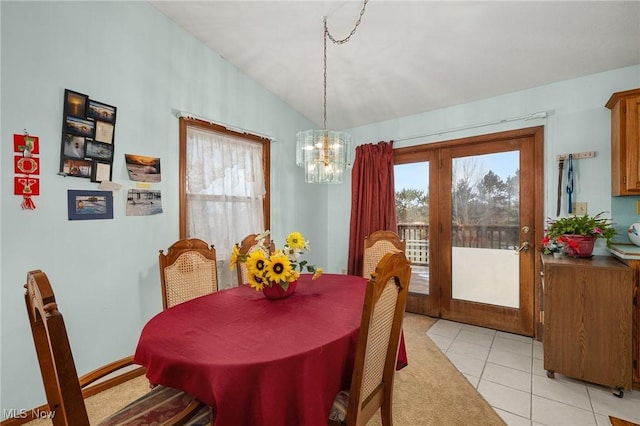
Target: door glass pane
[
  {"x": 412, "y": 217},
  {"x": 485, "y": 229}
]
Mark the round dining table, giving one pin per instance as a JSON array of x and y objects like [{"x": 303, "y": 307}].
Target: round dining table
[{"x": 258, "y": 361}]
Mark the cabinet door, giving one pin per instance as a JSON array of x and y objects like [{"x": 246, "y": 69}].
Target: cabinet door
[
  {"x": 625, "y": 142},
  {"x": 632, "y": 127},
  {"x": 587, "y": 330}
]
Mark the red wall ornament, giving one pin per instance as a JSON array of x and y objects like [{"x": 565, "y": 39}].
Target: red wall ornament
[{"x": 26, "y": 166}]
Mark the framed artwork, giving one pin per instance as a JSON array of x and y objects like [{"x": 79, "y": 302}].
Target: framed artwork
[
  {"x": 88, "y": 129},
  {"x": 73, "y": 146},
  {"x": 101, "y": 171},
  {"x": 101, "y": 151},
  {"x": 79, "y": 168},
  {"x": 79, "y": 126},
  {"x": 87, "y": 205},
  {"x": 102, "y": 112},
  {"x": 75, "y": 104},
  {"x": 104, "y": 132}
]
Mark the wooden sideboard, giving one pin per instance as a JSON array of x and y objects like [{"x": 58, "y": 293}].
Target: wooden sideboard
[{"x": 588, "y": 317}]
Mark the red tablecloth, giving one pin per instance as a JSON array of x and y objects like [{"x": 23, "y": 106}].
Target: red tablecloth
[{"x": 259, "y": 361}]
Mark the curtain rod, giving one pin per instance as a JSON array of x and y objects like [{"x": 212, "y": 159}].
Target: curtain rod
[
  {"x": 540, "y": 114},
  {"x": 184, "y": 114}
]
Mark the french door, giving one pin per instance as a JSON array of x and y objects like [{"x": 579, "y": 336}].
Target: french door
[{"x": 484, "y": 218}]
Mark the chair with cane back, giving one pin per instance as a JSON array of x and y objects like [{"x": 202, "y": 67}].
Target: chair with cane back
[
  {"x": 377, "y": 349},
  {"x": 376, "y": 246},
  {"x": 187, "y": 271}
]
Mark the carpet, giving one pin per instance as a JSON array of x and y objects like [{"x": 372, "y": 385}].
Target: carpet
[{"x": 430, "y": 390}]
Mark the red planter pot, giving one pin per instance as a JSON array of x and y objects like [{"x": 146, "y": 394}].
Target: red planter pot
[
  {"x": 584, "y": 245},
  {"x": 277, "y": 292}
]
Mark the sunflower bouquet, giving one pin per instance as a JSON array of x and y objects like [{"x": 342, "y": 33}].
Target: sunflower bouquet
[{"x": 280, "y": 267}]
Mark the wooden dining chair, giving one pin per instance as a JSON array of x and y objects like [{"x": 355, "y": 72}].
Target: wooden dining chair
[
  {"x": 248, "y": 245},
  {"x": 377, "y": 349},
  {"x": 187, "y": 271},
  {"x": 64, "y": 390},
  {"x": 376, "y": 246}
]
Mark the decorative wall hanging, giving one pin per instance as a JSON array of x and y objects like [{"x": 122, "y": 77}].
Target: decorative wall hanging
[
  {"x": 26, "y": 166},
  {"x": 143, "y": 169},
  {"x": 85, "y": 205},
  {"x": 88, "y": 129}
]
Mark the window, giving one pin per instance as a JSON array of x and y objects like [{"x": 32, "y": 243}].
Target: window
[{"x": 224, "y": 188}]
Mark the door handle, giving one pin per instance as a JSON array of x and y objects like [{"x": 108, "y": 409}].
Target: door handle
[{"x": 523, "y": 247}]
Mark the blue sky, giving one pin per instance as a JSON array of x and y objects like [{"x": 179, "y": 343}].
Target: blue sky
[{"x": 415, "y": 175}]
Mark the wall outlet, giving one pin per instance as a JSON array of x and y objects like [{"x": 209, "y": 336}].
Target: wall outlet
[
  {"x": 580, "y": 208},
  {"x": 638, "y": 207}
]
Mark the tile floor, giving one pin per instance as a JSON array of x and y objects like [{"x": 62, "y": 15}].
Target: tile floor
[{"x": 507, "y": 370}]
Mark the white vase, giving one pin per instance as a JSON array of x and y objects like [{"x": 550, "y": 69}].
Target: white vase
[{"x": 634, "y": 233}]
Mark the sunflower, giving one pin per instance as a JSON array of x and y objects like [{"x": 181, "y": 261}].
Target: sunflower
[
  {"x": 234, "y": 257},
  {"x": 256, "y": 281},
  {"x": 256, "y": 262},
  {"x": 279, "y": 269},
  {"x": 296, "y": 241}
]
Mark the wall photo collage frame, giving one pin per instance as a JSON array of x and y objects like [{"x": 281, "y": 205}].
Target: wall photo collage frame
[{"x": 88, "y": 137}]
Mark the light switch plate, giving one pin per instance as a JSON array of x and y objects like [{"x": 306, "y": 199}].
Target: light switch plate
[{"x": 580, "y": 208}]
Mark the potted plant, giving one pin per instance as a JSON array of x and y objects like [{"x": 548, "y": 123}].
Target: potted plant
[{"x": 577, "y": 234}]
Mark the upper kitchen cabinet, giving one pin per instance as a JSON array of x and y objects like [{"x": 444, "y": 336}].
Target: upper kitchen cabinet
[{"x": 625, "y": 142}]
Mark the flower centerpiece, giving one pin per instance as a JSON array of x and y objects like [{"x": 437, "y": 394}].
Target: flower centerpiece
[
  {"x": 278, "y": 268},
  {"x": 576, "y": 235}
]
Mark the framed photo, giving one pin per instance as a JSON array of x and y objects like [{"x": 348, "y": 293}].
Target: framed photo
[
  {"x": 73, "y": 146},
  {"x": 79, "y": 126},
  {"x": 98, "y": 150},
  {"x": 84, "y": 205},
  {"x": 102, "y": 112},
  {"x": 78, "y": 168},
  {"x": 104, "y": 132},
  {"x": 75, "y": 104},
  {"x": 101, "y": 171}
]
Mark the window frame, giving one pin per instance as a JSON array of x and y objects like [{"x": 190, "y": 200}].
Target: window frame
[{"x": 182, "y": 166}]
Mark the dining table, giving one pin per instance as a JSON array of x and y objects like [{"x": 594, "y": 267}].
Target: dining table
[{"x": 258, "y": 361}]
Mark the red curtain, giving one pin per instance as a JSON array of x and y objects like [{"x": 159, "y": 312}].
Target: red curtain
[{"x": 372, "y": 198}]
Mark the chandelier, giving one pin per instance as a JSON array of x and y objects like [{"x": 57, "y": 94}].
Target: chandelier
[{"x": 326, "y": 154}]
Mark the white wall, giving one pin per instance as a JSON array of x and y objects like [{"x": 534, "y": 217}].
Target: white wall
[
  {"x": 577, "y": 121},
  {"x": 105, "y": 273}
]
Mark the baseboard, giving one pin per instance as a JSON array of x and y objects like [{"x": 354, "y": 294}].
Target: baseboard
[{"x": 94, "y": 389}]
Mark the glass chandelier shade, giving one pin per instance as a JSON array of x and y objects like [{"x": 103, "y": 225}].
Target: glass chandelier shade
[{"x": 324, "y": 155}]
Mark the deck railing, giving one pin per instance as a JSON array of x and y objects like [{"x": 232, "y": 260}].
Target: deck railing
[{"x": 416, "y": 235}]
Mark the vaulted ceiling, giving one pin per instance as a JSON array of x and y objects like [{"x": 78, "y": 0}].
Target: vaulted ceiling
[{"x": 408, "y": 57}]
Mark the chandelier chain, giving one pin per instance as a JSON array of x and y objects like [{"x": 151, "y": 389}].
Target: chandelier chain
[
  {"x": 353, "y": 31},
  {"x": 327, "y": 34}
]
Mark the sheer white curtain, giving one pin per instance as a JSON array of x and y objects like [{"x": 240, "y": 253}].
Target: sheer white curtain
[{"x": 225, "y": 192}]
